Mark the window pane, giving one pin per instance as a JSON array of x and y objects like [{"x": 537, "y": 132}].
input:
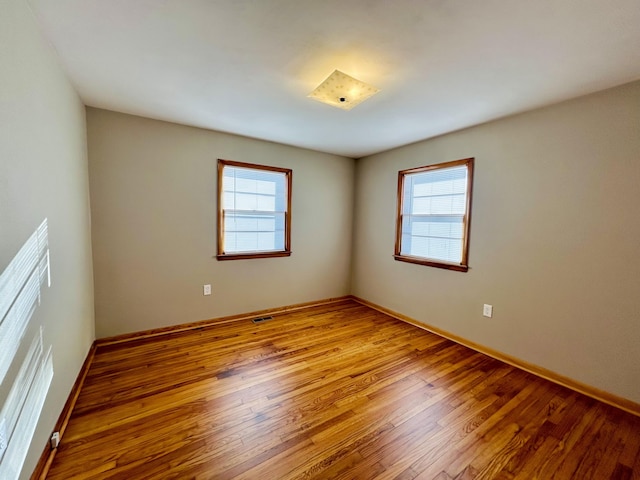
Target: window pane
[
  {"x": 449, "y": 227},
  {"x": 228, "y": 200},
  {"x": 441, "y": 180},
  {"x": 251, "y": 180},
  {"x": 265, "y": 203},
  {"x": 267, "y": 224},
  {"x": 417, "y": 231},
  {"x": 247, "y": 185},
  {"x": 245, "y": 242},
  {"x": 254, "y": 205},
  {"x": 269, "y": 187},
  {"x": 434, "y": 212},
  {"x": 246, "y": 189},
  {"x": 240, "y": 223},
  {"x": 246, "y": 232},
  {"x": 439, "y": 205},
  {"x": 266, "y": 240}
]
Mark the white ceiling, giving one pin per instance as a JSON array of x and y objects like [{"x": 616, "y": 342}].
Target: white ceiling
[{"x": 247, "y": 66}]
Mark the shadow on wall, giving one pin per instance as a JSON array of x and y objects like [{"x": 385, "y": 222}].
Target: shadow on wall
[{"x": 20, "y": 290}]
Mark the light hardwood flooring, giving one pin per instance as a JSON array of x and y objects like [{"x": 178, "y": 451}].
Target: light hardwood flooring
[{"x": 339, "y": 391}]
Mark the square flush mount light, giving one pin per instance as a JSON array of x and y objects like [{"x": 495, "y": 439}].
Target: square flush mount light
[{"x": 342, "y": 91}]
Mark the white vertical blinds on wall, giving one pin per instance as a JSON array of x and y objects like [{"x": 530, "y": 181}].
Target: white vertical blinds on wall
[
  {"x": 433, "y": 214},
  {"x": 254, "y": 208}
]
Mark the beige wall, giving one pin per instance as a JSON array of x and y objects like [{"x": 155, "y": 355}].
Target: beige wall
[
  {"x": 43, "y": 175},
  {"x": 153, "y": 200},
  {"x": 554, "y": 236},
  {"x": 554, "y": 245}
]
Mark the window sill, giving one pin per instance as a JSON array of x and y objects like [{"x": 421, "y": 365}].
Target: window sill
[
  {"x": 246, "y": 256},
  {"x": 431, "y": 263}
]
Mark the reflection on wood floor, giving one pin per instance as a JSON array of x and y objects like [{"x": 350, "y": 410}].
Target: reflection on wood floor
[{"x": 337, "y": 391}]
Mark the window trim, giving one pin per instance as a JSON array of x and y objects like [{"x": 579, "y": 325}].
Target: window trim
[
  {"x": 221, "y": 255},
  {"x": 463, "y": 266}
]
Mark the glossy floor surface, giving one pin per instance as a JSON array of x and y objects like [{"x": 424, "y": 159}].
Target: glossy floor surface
[{"x": 339, "y": 391}]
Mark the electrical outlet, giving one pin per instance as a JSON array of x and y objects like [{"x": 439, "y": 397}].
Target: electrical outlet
[
  {"x": 55, "y": 439},
  {"x": 206, "y": 290},
  {"x": 4, "y": 440},
  {"x": 487, "y": 310}
]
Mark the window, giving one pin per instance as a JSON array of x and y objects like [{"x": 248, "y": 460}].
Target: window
[
  {"x": 254, "y": 211},
  {"x": 434, "y": 212}
]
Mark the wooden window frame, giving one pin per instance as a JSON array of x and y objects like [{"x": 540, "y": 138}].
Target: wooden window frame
[
  {"x": 463, "y": 266},
  {"x": 220, "y": 213}
]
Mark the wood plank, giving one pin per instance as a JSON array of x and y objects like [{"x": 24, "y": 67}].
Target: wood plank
[
  {"x": 334, "y": 391},
  {"x": 588, "y": 390}
]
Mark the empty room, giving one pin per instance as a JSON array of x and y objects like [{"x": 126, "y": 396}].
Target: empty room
[{"x": 278, "y": 239}]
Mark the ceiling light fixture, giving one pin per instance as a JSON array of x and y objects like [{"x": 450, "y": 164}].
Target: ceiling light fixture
[{"x": 342, "y": 91}]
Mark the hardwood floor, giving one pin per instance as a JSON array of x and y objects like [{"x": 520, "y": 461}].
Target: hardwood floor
[{"x": 338, "y": 391}]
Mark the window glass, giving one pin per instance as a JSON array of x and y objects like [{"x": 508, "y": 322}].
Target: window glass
[
  {"x": 434, "y": 207},
  {"x": 254, "y": 211}
]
